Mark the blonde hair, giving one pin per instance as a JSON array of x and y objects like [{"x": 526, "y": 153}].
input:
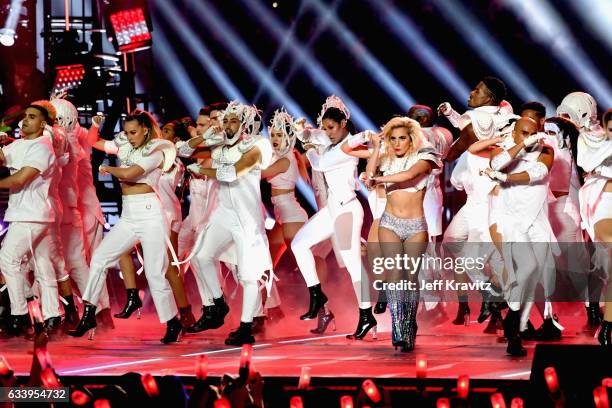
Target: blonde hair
[
  {"x": 414, "y": 132},
  {"x": 145, "y": 119}
]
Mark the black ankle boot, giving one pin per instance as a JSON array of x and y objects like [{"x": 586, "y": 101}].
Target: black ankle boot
[
  {"x": 593, "y": 313},
  {"x": 71, "y": 313},
  {"x": 19, "y": 325},
  {"x": 244, "y": 335},
  {"x": 212, "y": 317},
  {"x": 53, "y": 325},
  {"x": 495, "y": 323},
  {"x": 529, "y": 333},
  {"x": 173, "y": 331},
  {"x": 365, "y": 323},
  {"x": 323, "y": 320},
  {"x": 403, "y": 306},
  {"x": 548, "y": 331},
  {"x": 187, "y": 317},
  {"x": 511, "y": 332},
  {"x": 5, "y": 308},
  {"x": 463, "y": 315},
  {"x": 86, "y": 324},
  {"x": 604, "y": 333},
  {"x": 317, "y": 301},
  {"x": 381, "y": 305},
  {"x": 132, "y": 304}
]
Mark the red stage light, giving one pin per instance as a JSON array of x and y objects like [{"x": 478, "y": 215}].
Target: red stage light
[
  {"x": 371, "y": 390},
  {"x": 48, "y": 378},
  {"x": 550, "y": 375},
  {"x": 201, "y": 367},
  {"x": 150, "y": 385},
  {"x": 296, "y": 402},
  {"x": 443, "y": 403},
  {"x": 68, "y": 77},
  {"x": 5, "y": 368},
  {"x": 131, "y": 29},
  {"x": 245, "y": 356},
  {"x": 102, "y": 403},
  {"x": 346, "y": 401},
  {"x": 463, "y": 386},
  {"x": 600, "y": 395},
  {"x": 497, "y": 400},
  {"x": 421, "y": 366},
  {"x": 516, "y": 403},
  {"x": 222, "y": 403},
  {"x": 79, "y": 398},
  {"x": 304, "y": 378}
]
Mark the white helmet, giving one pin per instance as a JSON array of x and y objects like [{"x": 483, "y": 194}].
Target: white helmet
[
  {"x": 581, "y": 109},
  {"x": 67, "y": 115}
]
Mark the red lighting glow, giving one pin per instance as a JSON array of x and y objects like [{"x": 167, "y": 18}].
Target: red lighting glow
[
  {"x": 550, "y": 375},
  {"x": 600, "y": 396},
  {"x": 421, "y": 366},
  {"x": 5, "y": 368},
  {"x": 304, "y": 378},
  {"x": 201, "y": 367},
  {"x": 222, "y": 403},
  {"x": 443, "y": 403},
  {"x": 48, "y": 378},
  {"x": 68, "y": 77},
  {"x": 463, "y": 386},
  {"x": 497, "y": 400},
  {"x": 131, "y": 30},
  {"x": 150, "y": 385},
  {"x": 516, "y": 403},
  {"x": 346, "y": 401},
  {"x": 79, "y": 398},
  {"x": 371, "y": 390},
  {"x": 296, "y": 402}
]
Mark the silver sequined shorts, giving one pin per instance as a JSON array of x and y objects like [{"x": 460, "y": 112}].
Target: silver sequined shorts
[{"x": 404, "y": 228}]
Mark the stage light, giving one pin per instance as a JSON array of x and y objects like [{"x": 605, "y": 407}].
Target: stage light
[
  {"x": 130, "y": 29},
  {"x": 406, "y": 30},
  {"x": 79, "y": 398},
  {"x": 497, "y": 400},
  {"x": 8, "y": 33},
  {"x": 463, "y": 386},
  {"x": 7, "y": 37},
  {"x": 304, "y": 378},
  {"x": 371, "y": 390},
  {"x": 550, "y": 30},
  {"x": 296, "y": 402},
  {"x": 275, "y": 4},
  {"x": 442, "y": 403},
  {"x": 346, "y": 401},
  {"x": 373, "y": 66},
  {"x": 5, "y": 368},
  {"x": 201, "y": 367},
  {"x": 102, "y": 403},
  {"x": 49, "y": 379},
  {"x": 245, "y": 356},
  {"x": 150, "y": 385},
  {"x": 421, "y": 366},
  {"x": 68, "y": 77},
  {"x": 516, "y": 403},
  {"x": 222, "y": 403},
  {"x": 596, "y": 13},
  {"x": 552, "y": 382},
  {"x": 490, "y": 51},
  {"x": 600, "y": 396}
]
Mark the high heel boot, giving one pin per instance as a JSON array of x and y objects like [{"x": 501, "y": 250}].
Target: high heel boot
[
  {"x": 604, "y": 333},
  {"x": 87, "y": 323},
  {"x": 324, "y": 319},
  {"x": 173, "y": 331},
  {"x": 463, "y": 312},
  {"x": 365, "y": 323},
  {"x": 403, "y": 306},
  {"x": 317, "y": 301},
  {"x": 133, "y": 304},
  {"x": 71, "y": 314},
  {"x": 593, "y": 315},
  {"x": 512, "y": 324},
  {"x": 244, "y": 335},
  {"x": 381, "y": 304}
]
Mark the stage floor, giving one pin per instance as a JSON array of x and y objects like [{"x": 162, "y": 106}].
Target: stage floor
[{"x": 451, "y": 350}]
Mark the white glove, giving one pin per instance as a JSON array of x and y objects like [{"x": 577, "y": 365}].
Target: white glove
[
  {"x": 531, "y": 140},
  {"x": 447, "y": 108},
  {"x": 498, "y": 175},
  {"x": 194, "y": 168}
]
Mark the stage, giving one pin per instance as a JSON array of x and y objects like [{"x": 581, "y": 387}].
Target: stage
[{"x": 133, "y": 346}]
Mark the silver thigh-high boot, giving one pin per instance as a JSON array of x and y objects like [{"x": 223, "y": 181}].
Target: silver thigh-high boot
[{"x": 403, "y": 305}]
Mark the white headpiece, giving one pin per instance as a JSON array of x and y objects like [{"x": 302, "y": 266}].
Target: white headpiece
[
  {"x": 581, "y": 109},
  {"x": 333, "y": 101},
  {"x": 250, "y": 121},
  {"x": 67, "y": 115},
  {"x": 283, "y": 122}
]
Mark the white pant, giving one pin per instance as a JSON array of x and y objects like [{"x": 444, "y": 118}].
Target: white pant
[
  {"x": 93, "y": 232},
  {"x": 141, "y": 221},
  {"x": 341, "y": 223},
  {"x": 218, "y": 237},
  {"x": 75, "y": 257},
  {"x": 23, "y": 238},
  {"x": 287, "y": 209}
]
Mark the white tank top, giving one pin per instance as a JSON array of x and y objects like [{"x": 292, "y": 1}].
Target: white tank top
[{"x": 287, "y": 179}]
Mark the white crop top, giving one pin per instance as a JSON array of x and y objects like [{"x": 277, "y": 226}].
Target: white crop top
[
  {"x": 287, "y": 179},
  {"x": 394, "y": 165}
]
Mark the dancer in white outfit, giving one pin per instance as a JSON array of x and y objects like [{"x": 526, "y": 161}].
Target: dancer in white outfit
[
  {"x": 31, "y": 161},
  {"x": 342, "y": 217},
  {"x": 594, "y": 157},
  {"x": 144, "y": 157},
  {"x": 522, "y": 218},
  {"x": 238, "y": 219}
]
